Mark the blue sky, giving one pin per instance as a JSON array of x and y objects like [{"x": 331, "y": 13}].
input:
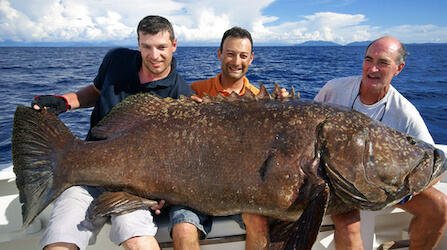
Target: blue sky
[
  {"x": 202, "y": 22},
  {"x": 379, "y": 13}
]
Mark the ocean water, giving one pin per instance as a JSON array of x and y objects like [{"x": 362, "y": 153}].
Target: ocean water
[{"x": 26, "y": 72}]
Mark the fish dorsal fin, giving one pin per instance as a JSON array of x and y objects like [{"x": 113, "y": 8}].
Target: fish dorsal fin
[
  {"x": 292, "y": 93},
  {"x": 263, "y": 93},
  {"x": 233, "y": 96},
  {"x": 220, "y": 98},
  {"x": 249, "y": 94},
  {"x": 207, "y": 98},
  {"x": 132, "y": 111},
  {"x": 141, "y": 107},
  {"x": 276, "y": 91}
]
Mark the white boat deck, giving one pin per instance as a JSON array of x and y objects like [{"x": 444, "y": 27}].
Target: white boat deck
[{"x": 377, "y": 227}]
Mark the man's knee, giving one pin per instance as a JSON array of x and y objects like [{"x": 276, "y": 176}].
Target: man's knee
[
  {"x": 185, "y": 236},
  {"x": 428, "y": 205},
  {"x": 255, "y": 222},
  {"x": 140, "y": 242},
  {"x": 61, "y": 246},
  {"x": 185, "y": 230},
  {"x": 439, "y": 209},
  {"x": 347, "y": 222}
]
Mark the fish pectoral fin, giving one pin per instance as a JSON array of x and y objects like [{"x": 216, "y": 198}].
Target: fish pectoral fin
[
  {"x": 303, "y": 233},
  {"x": 119, "y": 203}
]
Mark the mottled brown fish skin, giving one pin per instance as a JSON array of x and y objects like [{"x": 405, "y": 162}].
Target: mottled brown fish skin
[
  {"x": 206, "y": 157},
  {"x": 222, "y": 157}
]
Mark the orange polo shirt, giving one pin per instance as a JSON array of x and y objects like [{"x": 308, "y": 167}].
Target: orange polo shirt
[{"x": 213, "y": 87}]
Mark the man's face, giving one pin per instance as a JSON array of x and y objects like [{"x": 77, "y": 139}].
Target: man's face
[
  {"x": 235, "y": 57},
  {"x": 379, "y": 65},
  {"x": 156, "y": 51}
]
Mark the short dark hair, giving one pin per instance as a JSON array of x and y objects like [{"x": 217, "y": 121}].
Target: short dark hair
[
  {"x": 155, "y": 24},
  {"x": 238, "y": 33}
]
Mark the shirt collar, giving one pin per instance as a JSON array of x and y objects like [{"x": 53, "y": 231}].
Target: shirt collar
[
  {"x": 165, "y": 82},
  {"x": 223, "y": 91}
]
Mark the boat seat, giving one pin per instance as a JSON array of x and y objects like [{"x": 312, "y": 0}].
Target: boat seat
[
  {"x": 379, "y": 233},
  {"x": 394, "y": 245}
]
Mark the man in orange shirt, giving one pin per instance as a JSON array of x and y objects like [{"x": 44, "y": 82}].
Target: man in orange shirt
[
  {"x": 235, "y": 55},
  {"x": 187, "y": 225}
]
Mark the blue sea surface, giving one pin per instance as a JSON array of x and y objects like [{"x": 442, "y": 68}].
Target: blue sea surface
[{"x": 27, "y": 72}]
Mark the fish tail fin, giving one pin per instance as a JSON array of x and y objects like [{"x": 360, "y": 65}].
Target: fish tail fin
[{"x": 37, "y": 137}]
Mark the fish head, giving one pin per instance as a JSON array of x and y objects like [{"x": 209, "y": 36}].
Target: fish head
[{"x": 373, "y": 166}]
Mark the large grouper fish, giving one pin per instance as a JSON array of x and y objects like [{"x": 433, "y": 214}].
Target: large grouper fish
[{"x": 291, "y": 159}]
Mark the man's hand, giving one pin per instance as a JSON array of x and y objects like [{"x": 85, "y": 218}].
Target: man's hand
[
  {"x": 196, "y": 98},
  {"x": 158, "y": 207},
  {"x": 279, "y": 93},
  {"x": 56, "y": 104},
  {"x": 283, "y": 93}
]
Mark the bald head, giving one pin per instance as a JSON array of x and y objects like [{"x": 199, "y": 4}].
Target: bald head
[{"x": 392, "y": 44}]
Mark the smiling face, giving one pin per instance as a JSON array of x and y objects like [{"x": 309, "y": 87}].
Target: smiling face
[
  {"x": 380, "y": 65},
  {"x": 156, "y": 52},
  {"x": 235, "y": 57}
]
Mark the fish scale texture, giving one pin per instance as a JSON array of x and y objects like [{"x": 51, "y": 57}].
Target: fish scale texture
[{"x": 284, "y": 158}]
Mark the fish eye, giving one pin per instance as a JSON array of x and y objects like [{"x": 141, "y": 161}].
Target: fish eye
[{"x": 411, "y": 140}]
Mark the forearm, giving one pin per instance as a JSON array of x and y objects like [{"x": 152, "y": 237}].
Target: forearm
[{"x": 83, "y": 98}]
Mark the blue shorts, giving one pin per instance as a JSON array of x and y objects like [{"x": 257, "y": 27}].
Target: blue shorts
[
  {"x": 238, "y": 219},
  {"x": 68, "y": 221},
  {"x": 180, "y": 214},
  {"x": 203, "y": 222}
]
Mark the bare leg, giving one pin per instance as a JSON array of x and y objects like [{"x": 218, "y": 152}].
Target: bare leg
[
  {"x": 430, "y": 217},
  {"x": 347, "y": 230},
  {"x": 61, "y": 246},
  {"x": 257, "y": 231},
  {"x": 185, "y": 236},
  {"x": 141, "y": 242}
]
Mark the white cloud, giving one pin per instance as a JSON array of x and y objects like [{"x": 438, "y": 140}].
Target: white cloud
[
  {"x": 77, "y": 20},
  {"x": 12, "y": 22},
  {"x": 324, "y": 26},
  {"x": 194, "y": 21},
  {"x": 205, "y": 25},
  {"x": 208, "y": 20}
]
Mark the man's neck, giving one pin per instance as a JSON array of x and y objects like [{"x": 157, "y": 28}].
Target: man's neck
[
  {"x": 146, "y": 76},
  {"x": 231, "y": 85},
  {"x": 369, "y": 97}
]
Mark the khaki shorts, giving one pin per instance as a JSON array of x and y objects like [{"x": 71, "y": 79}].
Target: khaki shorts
[{"x": 68, "y": 221}]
